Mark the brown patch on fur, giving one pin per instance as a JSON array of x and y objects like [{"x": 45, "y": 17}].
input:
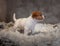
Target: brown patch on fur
[{"x": 37, "y": 15}]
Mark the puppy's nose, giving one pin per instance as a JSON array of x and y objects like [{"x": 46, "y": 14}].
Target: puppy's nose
[{"x": 45, "y": 16}]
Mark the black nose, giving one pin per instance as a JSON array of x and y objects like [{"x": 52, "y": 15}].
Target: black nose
[{"x": 45, "y": 16}]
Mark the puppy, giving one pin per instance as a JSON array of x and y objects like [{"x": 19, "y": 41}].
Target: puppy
[{"x": 27, "y": 24}]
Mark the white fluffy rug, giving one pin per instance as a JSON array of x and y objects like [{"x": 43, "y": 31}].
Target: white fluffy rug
[{"x": 49, "y": 35}]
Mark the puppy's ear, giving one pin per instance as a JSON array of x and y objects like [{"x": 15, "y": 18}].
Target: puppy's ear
[
  {"x": 36, "y": 13},
  {"x": 33, "y": 14}
]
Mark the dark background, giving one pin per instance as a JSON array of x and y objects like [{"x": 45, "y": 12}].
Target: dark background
[{"x": 23, "y": 8}]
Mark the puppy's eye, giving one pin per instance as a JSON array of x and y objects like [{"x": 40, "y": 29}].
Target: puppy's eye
[{"x": 40, "y": 15}]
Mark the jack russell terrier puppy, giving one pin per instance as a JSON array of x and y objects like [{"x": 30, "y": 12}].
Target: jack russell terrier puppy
[{"x": 27, "y": 25}]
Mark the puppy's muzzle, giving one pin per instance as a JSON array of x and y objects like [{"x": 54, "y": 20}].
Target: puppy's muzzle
[{"x": 43, "y": 17}]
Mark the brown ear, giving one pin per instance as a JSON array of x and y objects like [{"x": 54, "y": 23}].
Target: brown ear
[{"x": 36, "y": 13}]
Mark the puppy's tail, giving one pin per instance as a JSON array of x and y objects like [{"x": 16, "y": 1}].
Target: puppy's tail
[{"x": 14, "y": 18}]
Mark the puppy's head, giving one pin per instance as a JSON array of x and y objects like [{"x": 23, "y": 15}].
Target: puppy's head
[{"x": 37, "y": 15}]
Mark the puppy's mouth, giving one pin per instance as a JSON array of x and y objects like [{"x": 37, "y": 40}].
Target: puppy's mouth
[{"x": 38, "y": 21}]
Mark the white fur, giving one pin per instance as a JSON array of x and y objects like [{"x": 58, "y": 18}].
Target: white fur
[{"x": 27, "y": 24}]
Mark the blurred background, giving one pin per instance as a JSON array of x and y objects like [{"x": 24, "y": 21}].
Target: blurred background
[{"x": 23, "y": 8}]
